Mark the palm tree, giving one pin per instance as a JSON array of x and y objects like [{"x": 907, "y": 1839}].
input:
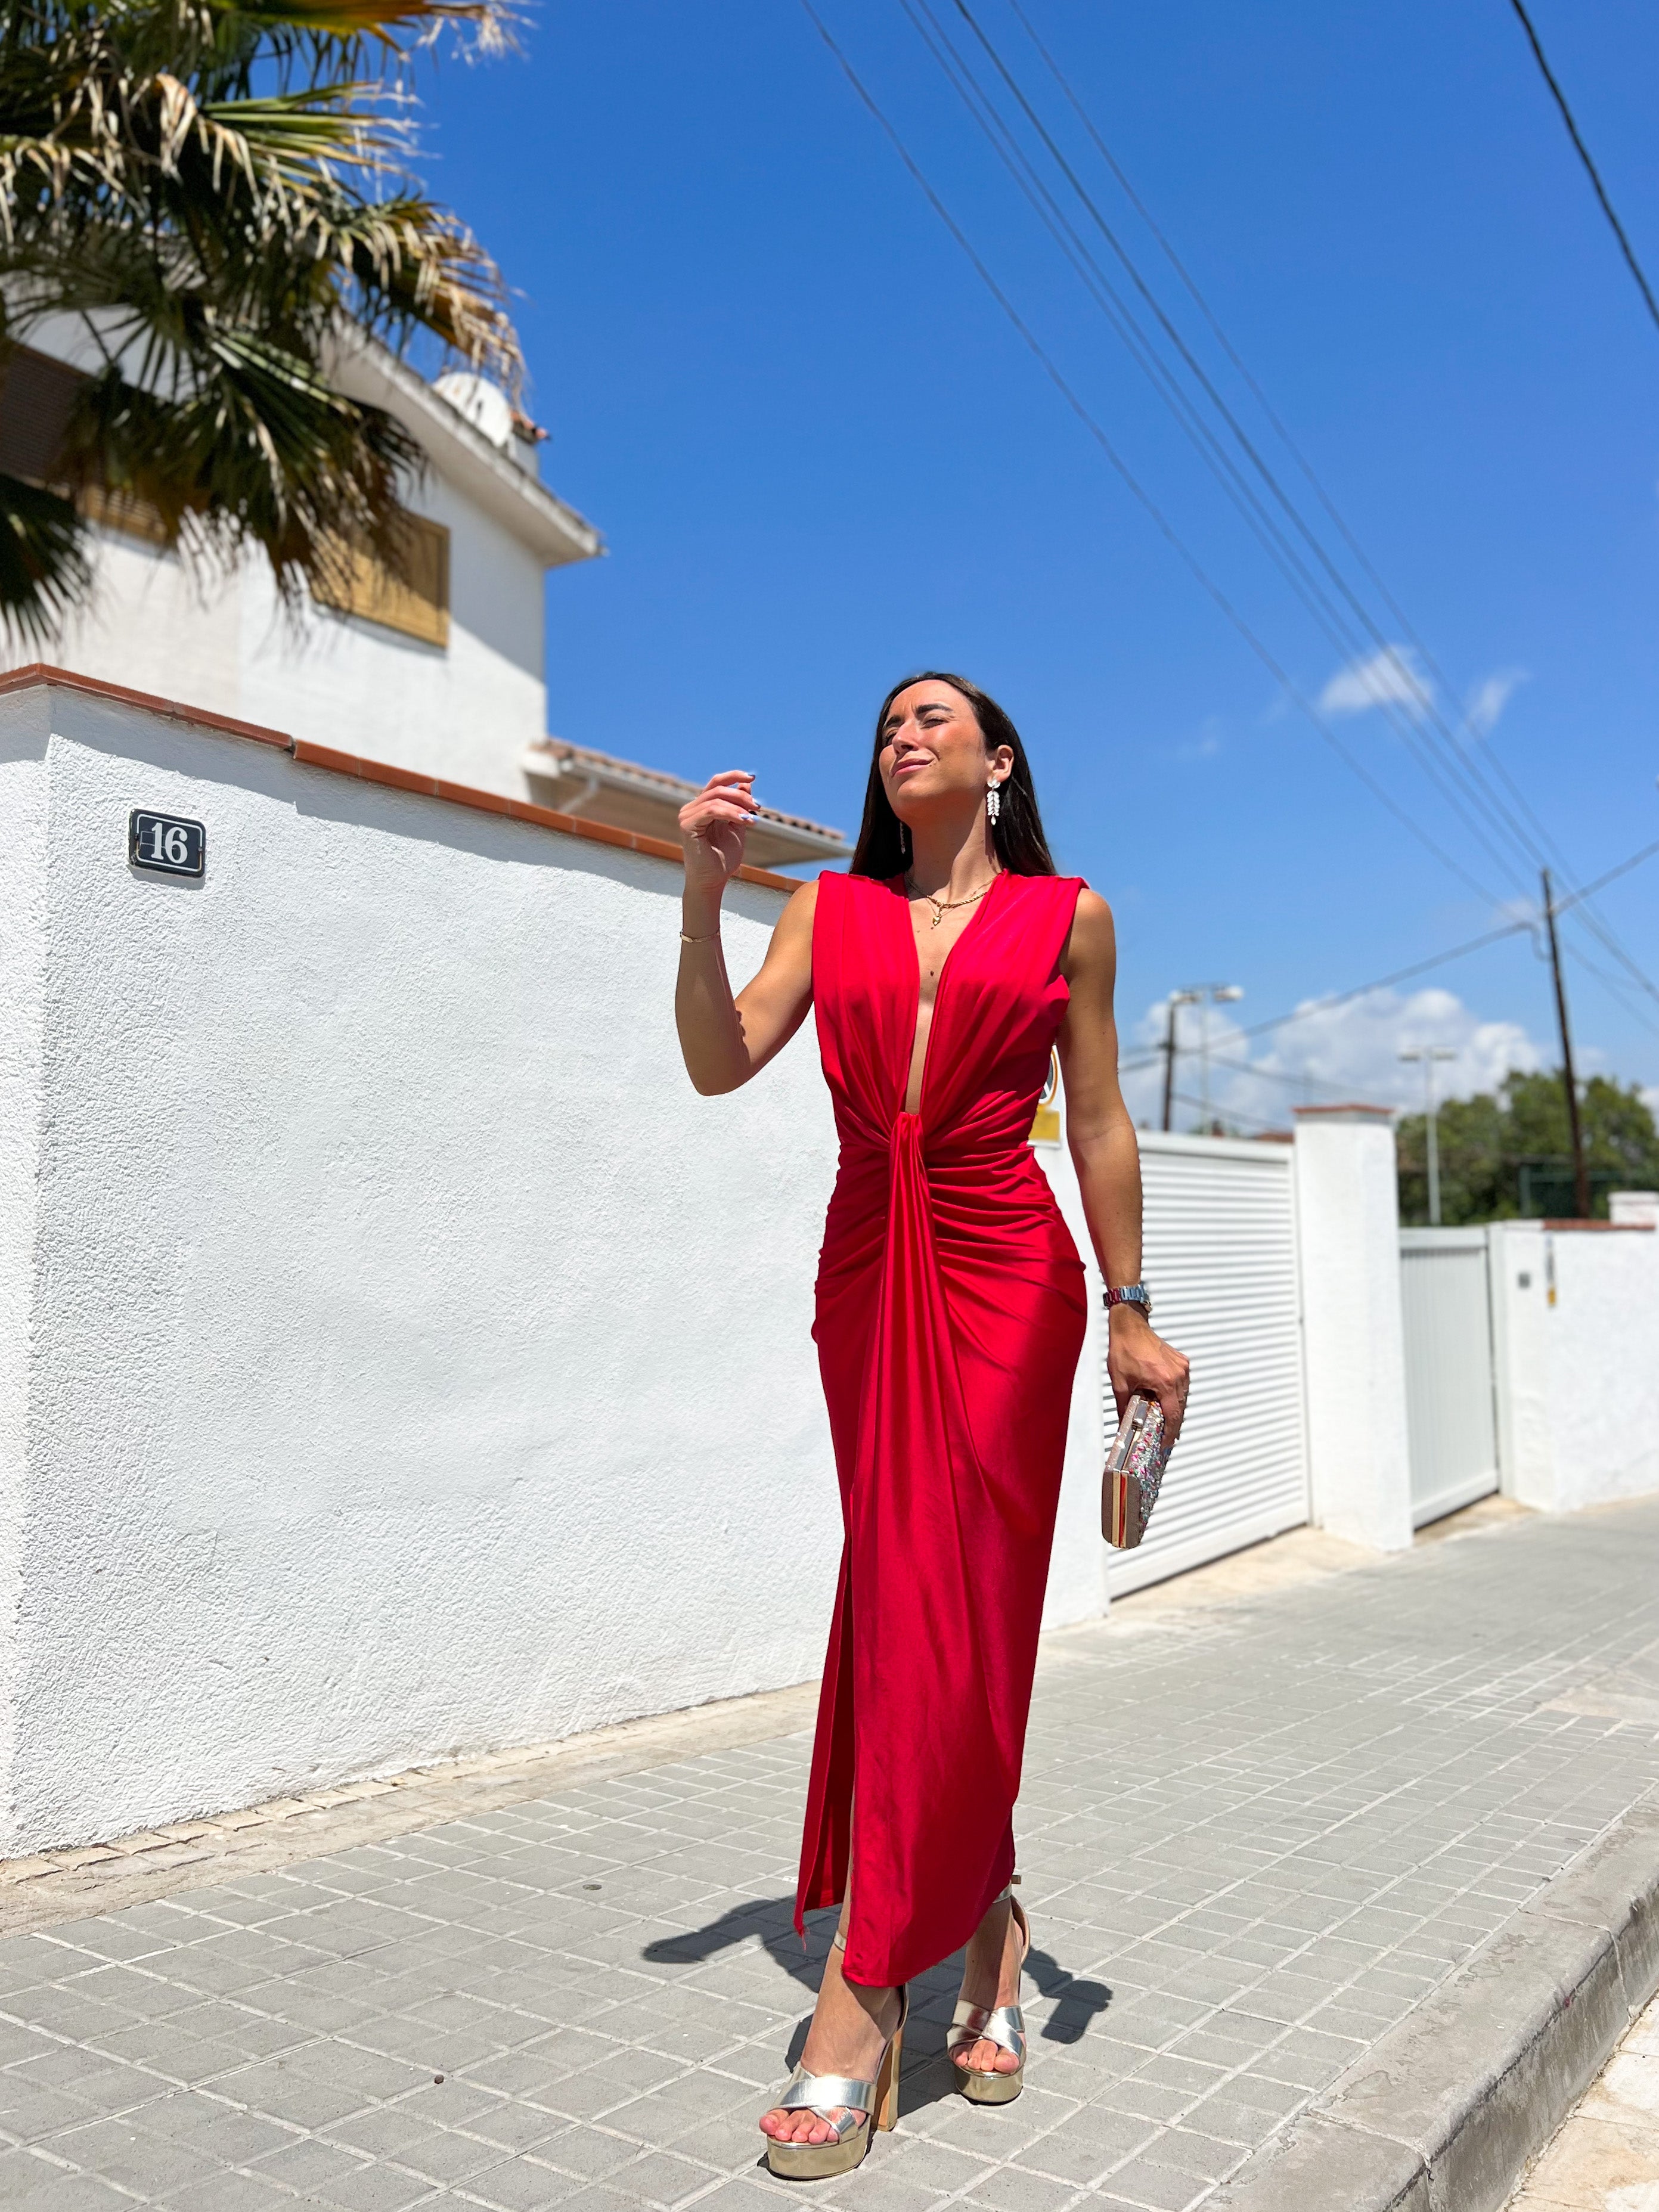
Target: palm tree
[{"x": 214, "y": 193}]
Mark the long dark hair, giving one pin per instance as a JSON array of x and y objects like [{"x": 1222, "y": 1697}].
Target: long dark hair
[{"x": 883, "y": 845}]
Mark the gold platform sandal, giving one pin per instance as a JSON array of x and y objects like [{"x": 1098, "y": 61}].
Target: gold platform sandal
[
  {"x": 1002, "y": 2024},
  {"x": 823, "y": 2093}
]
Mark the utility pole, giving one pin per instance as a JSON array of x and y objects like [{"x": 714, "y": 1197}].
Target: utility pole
[
  {"x": 1428, "y": 1055},
  {"x": 1580, "y": 1173},
  {"x": 1176, "y": 998}
]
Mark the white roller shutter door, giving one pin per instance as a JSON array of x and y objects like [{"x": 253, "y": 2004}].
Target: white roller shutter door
[{"x": 1220, "y": 1255}]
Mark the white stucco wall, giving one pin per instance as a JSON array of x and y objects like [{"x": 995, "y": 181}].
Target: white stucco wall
[
  {"x": 417, "y": 1364},
  {"x": 1348, "y": 1224},
  {"x": 22, "y": 989},
  {"x": 1578, "y": 1375},
  {"x": 412, "y": 1364},
  {"x": 464, "y": 712}
]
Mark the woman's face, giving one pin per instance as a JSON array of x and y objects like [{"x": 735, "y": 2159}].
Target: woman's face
[{"x": 932, "y": 756}]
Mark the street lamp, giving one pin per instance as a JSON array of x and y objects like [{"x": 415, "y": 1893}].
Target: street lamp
[
  {"x": 1176, "y": 998},
  {"x": 1428, "y": 1053},
  {"x": 1214, "y": 994}
]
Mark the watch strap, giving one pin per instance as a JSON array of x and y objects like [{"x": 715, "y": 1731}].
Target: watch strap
[{"x": 1129, "y": 1294}]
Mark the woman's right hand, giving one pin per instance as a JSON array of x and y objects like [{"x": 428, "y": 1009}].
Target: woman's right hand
[{"x": 712, "y": 827}]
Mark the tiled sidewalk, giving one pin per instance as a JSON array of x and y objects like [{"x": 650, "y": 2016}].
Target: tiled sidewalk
[{"x": 1252, "y": 1839}]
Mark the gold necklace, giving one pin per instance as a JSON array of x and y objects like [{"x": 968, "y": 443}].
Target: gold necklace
[{"x": 942, "y": 907}]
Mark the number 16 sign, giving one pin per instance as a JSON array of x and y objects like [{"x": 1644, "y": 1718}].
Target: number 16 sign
[{"x": 166, "y": 843}]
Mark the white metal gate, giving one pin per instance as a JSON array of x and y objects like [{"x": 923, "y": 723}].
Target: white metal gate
[
  {"x": 1450, "y": 1414},
  {"x": 1221, "y": 1258}
]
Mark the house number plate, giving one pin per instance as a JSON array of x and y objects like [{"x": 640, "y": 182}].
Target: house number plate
[{"x": 166, "y": 843}]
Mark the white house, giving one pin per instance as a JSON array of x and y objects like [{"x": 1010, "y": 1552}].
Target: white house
[
  {"x": 444, "y": 676},
  {"x": 447, "y": 678}
]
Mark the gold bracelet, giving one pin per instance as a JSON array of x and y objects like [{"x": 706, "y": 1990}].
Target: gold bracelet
[{"x": 714, "y": 939}]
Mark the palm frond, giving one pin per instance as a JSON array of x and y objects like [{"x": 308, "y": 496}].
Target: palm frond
[
  {"x": 219, "y": 193},
  {"x": 44, "y": 572}
]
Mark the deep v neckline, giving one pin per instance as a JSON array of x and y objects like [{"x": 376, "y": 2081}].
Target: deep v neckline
[{"x": 968, "y": 927}]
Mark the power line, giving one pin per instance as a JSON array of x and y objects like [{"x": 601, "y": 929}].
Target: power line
[
  {"x": 1138, "y": 491},
  {"x": 1460, "y": 763},
  {"x": 1590, "y": 170},
  {"x": 1145, "y": 354},
  {"x": 1292, "y": 1080},
  {"x": 1535, "y": 849},
  {"x": 1362, "y": 990},
  {"x": 1143, "y": 351},
  {"x": 1601, "y": 882},
  {"x": 1421, "y": 967},
  {"x": 1614, "y": 989},
  {"x": 1529, "y": 836},
  {"x": 1611, "y": 942},
  {"x": 1281, "y": 430},
  {"x": 1234, "y": 1114}
]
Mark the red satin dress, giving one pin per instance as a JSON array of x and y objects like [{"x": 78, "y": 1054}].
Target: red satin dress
[{"x": 950, "y": 1313}]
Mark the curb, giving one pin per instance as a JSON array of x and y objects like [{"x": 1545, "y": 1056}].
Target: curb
[{"x": 1444, "y": 2112}]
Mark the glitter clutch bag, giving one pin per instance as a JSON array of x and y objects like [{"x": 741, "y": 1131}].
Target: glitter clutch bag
[{"x": 1134, "y": 1470}]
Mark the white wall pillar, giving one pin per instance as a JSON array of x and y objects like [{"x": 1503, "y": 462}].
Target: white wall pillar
[{"x": 1348, "y": 1227}]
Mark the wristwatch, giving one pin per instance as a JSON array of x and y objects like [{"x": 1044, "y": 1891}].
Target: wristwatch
[{"x": 1130, "y": 1294}]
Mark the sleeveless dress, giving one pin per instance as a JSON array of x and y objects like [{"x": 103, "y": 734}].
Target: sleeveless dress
[{"x": 951, "y": 1312}]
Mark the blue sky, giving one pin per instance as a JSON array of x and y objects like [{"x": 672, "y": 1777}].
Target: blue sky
[{"x": 821, "y": 456}]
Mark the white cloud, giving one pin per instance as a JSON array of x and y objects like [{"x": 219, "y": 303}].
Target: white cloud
[
  {"x": 1490, "y": 697},
  {"x": 1342, "y": 1054},
  {"x": 1206, "y": 745},
  {"x": 1389, "y": 678}
]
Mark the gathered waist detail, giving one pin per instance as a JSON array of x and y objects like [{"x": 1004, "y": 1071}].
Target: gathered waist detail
[{"x": 936, "y": 1150}]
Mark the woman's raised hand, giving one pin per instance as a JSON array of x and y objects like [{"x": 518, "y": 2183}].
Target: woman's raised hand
[{"x": 712, "y": 827}]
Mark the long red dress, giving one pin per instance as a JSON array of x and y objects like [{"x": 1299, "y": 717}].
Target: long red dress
[{"x": 950, "y": 1313}]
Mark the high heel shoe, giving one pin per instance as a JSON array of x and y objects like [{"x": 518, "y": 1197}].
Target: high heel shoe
[
  {"x": 823, "y": 2093},
  {"x": 1002, "y": 2024}
]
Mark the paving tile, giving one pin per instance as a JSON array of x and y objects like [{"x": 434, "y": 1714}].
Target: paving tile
[
  {"x": 309, "y": 2163},
  {"x": 661, "y": 2179},
  {"x": 284, "y": 2092},
  {"x": 146, "y": 2165},
  {"x": 514, "y": 2127},
  {"x": 213, "y": 2130},
  {"x": 374, "y": 2189},
  {"x": 1013, "y": 2189},
  {"x": 1159, "y": 2187},
  {"x": 520, "y": 2185},
  {"x": 1206, "y": 2157},
  {"x": 449, "y": 2157},
  {"x": 74, "y": 2193},
  {"x": 227, "y": 2192},
  {"x": 21, "y": 2171}
]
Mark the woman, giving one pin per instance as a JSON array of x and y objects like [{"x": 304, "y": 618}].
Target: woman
[{"x": 951, "y": 1310}]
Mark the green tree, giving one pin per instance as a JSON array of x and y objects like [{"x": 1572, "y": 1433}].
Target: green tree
[
  {"x": 217, "y": 195},
  {"x": 1484, "y": 1140}
]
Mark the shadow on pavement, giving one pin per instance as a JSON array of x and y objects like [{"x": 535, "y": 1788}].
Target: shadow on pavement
[{"x": 932, "y": 1996}]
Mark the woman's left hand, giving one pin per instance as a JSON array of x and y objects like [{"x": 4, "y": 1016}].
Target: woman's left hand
[{"x": 1136, "y": 1359}]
